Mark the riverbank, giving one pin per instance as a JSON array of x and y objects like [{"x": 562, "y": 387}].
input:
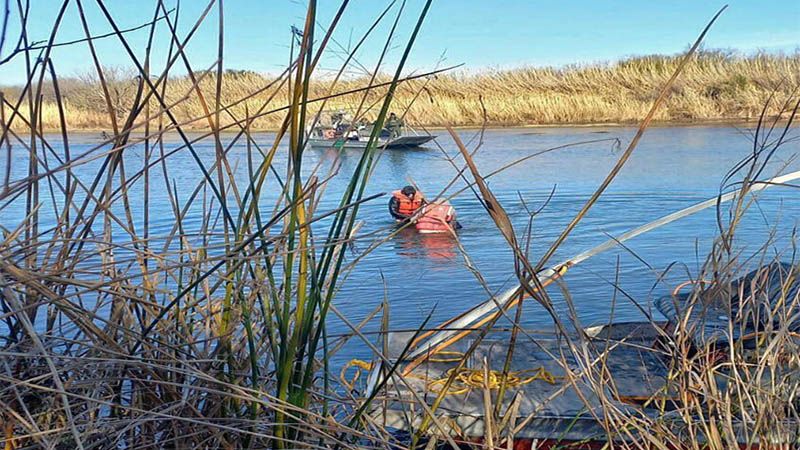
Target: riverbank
[
  {"x": 724, "y": 123},
  {"x": 717, "y": 88}
]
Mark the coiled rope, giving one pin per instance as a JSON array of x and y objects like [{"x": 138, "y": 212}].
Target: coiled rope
[
  {"x": 469, "y": 379},
  {"x": 465, "y": 379}
]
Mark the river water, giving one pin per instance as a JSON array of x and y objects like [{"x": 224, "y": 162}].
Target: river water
[{"x": 671, "y": 169}]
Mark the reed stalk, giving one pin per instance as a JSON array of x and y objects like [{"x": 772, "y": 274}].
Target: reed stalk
[{"x": 211, "y": 335}]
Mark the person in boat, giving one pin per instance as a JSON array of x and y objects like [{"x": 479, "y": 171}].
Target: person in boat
[
  {"x": 437, "y": 217},
  {"x": 394, "y": 125},
  {"x": 405, "y": 203},
  {"x": 338, "y": 118}
]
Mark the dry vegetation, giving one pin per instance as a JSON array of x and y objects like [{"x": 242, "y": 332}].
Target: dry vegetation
[
  {"x": 213, "y": 334},
  {"x": 718, "y": 86}
]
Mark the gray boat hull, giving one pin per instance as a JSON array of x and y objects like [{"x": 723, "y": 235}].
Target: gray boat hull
[{"x": 398, "y": 142}]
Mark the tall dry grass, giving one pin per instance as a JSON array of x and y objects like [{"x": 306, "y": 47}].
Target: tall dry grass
[
  {"x": 211, "y": 334},
  {"x": 718, "y": 86}
]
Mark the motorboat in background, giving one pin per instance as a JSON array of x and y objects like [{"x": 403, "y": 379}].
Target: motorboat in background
[{"x": 338, "y": 130}]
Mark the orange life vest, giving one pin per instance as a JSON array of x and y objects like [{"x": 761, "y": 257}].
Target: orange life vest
[
  {"x": 407, "y": 206},
  {"x": 436, "y": 218}
]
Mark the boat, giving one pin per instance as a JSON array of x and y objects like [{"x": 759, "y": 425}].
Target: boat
[
  {"x": 557, "y": 410},
  {"x": 337, "y": 130},
  {"x": 550, "y": 402},
  {"x": 399, "y": 142}
]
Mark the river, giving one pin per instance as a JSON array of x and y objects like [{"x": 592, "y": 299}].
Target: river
[{"x": 673, "y": 167}]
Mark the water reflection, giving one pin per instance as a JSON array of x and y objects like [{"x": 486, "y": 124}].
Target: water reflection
[{"x": 433, "y": 246}]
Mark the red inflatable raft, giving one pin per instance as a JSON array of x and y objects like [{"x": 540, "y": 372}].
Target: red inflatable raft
[{"x": 436, "y": 217}]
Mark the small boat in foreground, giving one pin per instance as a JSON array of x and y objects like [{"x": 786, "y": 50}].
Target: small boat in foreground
[{"x": 562, "y": 388}]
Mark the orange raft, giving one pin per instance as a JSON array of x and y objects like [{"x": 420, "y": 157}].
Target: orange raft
[{"x": 436, "y": 217}]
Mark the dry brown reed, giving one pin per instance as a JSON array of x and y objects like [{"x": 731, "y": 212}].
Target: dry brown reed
[
  {"x": 718, "y": 86},
  {"x": 212, "y": 334}
]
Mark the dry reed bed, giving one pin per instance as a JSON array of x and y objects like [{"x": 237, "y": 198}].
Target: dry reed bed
[{"x": 717, "y": 86}]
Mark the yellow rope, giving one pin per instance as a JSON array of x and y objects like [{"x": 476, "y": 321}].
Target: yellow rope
[
  {"x": 357, "y": 363},
  {"x": 468, "y": 379},
  {"x": 465, "y": 380}
]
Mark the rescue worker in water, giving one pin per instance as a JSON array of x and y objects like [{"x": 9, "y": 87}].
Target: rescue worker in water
[{"x": 405, "y": 202}]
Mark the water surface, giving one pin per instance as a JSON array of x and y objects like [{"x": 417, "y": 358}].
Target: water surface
[{"x": 671, "y": 169}]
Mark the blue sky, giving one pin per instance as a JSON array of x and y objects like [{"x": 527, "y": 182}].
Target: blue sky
[{"x": 480, "y": 34}]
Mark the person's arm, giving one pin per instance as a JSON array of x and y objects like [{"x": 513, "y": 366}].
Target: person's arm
[{"x": 394, "y": 208}]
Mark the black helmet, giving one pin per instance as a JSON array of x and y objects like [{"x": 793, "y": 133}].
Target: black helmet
[{"x": 408, "y": 191}]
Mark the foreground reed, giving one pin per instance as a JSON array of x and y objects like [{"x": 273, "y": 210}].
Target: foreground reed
[{"x": 211, "y": 335}]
